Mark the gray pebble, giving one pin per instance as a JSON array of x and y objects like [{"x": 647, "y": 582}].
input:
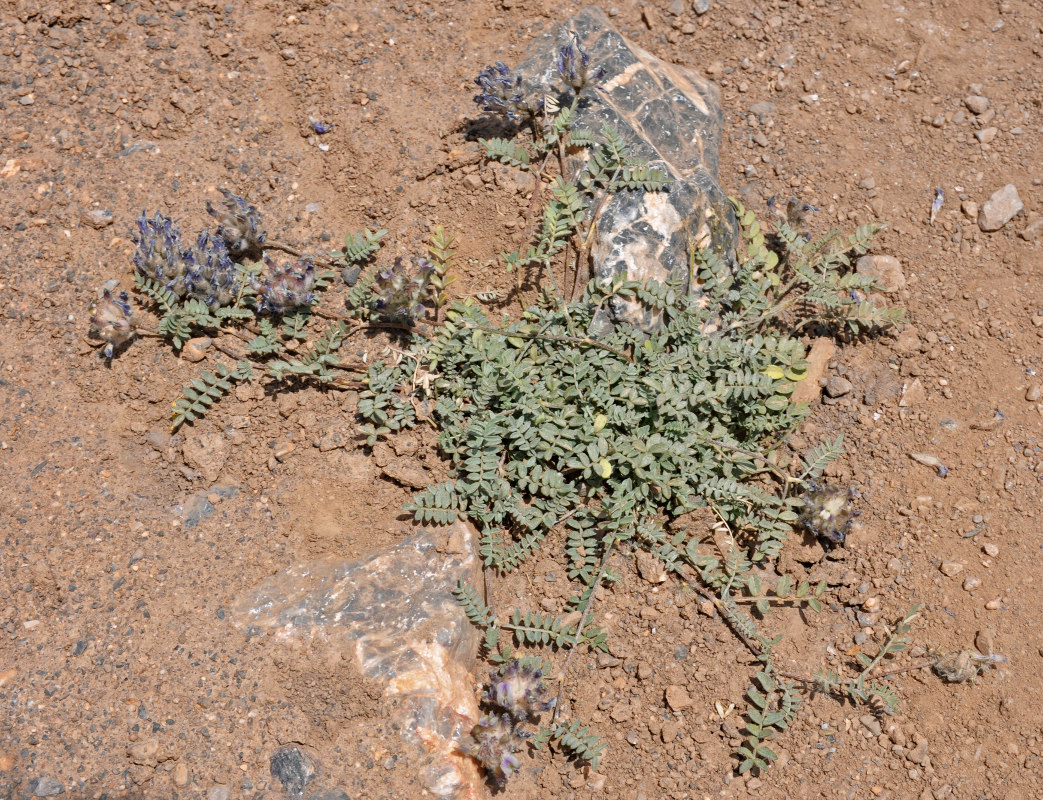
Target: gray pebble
[
  {"x": 28, "y": 100},
  {"x": 1000, "y": 209},
  {"x": 976, "y": 104},
  {"x": 293, "y": 769},
  {"x": 45, "y": 787},
  {"x": 838, "y": 387},
  {"x": 700, "y": 7},
  {"x": 97, "y": 218},
  {"x": 218, "y": 793}
]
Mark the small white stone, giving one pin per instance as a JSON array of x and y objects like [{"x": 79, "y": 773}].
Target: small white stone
[{"x": 951, "y": 568}]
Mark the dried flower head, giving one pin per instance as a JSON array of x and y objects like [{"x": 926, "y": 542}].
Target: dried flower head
[
  {"x": 494, "y": 741},
  {"x": 287, "y": 286},
  {"x": 159, "y": 255},
  {"x": 401, "y": 292},
  {"x": 574, "y": 65},
  {"x": 519, "y": 691},
  {"x": 965, "y": 666},
  {"x": 504, "y": 92},
  {"x": 239, "y": 224},
  {"x": 111, "y": 320},
  {"x": 828, "y": 513}
]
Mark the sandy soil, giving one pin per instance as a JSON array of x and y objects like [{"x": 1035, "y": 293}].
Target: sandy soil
[{"x": 121, "y": 673}]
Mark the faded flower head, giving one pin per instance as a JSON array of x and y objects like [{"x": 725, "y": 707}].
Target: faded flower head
[
  {"x": 828, "y": 513},
  {"x": 494, "y": 741},
  {"x": 287, "y": 286},
  {"x": 400, "y": 293},
  {"x": 574, "y": 65},
  {"x": 964, "y": 666},
  {"x": 503, "y": 91},
  {"x": 239, "y": 224},
  {"x": 159, "y": 256},
  {"x": 111, "y": 320},
  {"x": 518, "y": 690}
]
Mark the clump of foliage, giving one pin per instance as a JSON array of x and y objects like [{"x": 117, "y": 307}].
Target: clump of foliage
[
  {"x": 231, "y": 283},
  {"x": 616, "y": 437}
]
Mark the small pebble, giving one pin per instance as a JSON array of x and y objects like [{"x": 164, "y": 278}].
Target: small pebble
[
  {"x": 969, "y": 209},
  {"x": 218, "y": 792},
  {"x": 976, "y": 104},
  {"x": 46, "y": 787},
  {"x": 97, "y": 218},
  {"x": 986, "y": 135},
  {"x": 1032, "y": 393},
  {"x": 870, "y": 723},
  {"x": 838, "y": 387},
  {"x": 992, "y": 605},
  {"x": 951, "y": 568},
  {"x": 677, "y": 698},
  {"x": 180, "y": 774},
  {"x": 991, "y": 549},
  {"x": 700, "y": 7},
  {"x": 971, "y": 583}
]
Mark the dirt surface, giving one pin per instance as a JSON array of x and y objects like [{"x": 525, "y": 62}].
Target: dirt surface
[{"x": 121, "y": 673}]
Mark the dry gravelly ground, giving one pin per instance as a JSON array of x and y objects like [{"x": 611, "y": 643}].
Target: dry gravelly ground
[{"x": 120, "y": 671}]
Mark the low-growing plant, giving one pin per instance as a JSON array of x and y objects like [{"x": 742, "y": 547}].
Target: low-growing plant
[{"x": 611, "y": 439}]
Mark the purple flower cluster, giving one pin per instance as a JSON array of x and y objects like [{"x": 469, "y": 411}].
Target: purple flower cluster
[
  {"x": 400, "y": 293},
  {"x": 239, "y": 224},
  {"x": 204, "y": 272},
  {"x": 503, "y": 91},
  {"x": 516, "y": 694},
  {"x": 111, "y": 320},
  {"x": 159, "y": 256},
  {"x": 574, "y": 66},
  {"x": 287, "y": 286}
]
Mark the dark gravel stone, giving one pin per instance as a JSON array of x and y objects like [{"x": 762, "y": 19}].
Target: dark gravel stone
[{"x": 293, "y": 769}]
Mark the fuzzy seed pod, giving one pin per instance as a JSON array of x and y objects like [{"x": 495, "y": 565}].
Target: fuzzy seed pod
[
  {"x": 494, "y": 741},
  {"x": 287, "y": 286},
  {"x": 519, "y": 691},
  {"x": 111, "y": 320}
]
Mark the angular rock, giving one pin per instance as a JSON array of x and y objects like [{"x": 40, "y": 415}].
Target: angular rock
[
  {"x": 677, "y": 698},
  {"x": 395, "y": 613},
  {"x": 206, "y": 453},
  {"x": 976, "y": 104},
  {"x": 402, "y": 471},
  {"x": 838, "y": 387},
  {"x": 97, "y": 218},
  {"x": 1000, "y": 209},
  {"x": 668, "y": 116},
  {"x": 913, "y": 395},
  {"x": 293, "y": 768},
  {"x": 1033, "y": 230},
  {"x": 808, "y": 390},
  {"x": 886, "y": 269},
  {"x": 45, "y": 787},
  {"x": 649, "y": 567}
]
